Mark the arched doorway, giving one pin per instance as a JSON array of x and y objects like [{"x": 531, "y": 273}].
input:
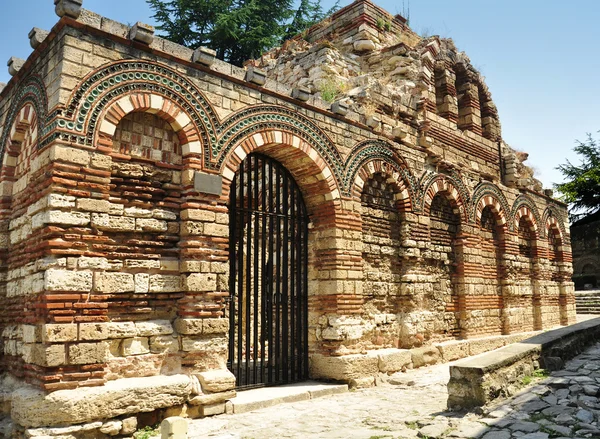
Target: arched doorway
[{"x": 268, "y": 302}]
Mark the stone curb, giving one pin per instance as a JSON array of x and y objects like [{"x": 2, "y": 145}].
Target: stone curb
[{"x": 475, "y": 382}]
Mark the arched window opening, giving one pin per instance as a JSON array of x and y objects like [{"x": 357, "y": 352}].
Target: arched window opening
[{"x": 381, "y": 245}]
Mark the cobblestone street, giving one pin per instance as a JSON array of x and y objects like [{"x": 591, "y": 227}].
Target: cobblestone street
[{"x": 413, "y": 404}]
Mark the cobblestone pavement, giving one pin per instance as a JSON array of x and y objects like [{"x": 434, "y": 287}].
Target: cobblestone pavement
[{"x": 413, "y": 404}]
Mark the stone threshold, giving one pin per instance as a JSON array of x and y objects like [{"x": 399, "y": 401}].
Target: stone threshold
[{"x": 254, "y": 399}]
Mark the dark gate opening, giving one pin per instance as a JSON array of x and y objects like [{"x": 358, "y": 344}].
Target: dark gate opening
[{"x": 268, "y": 302}]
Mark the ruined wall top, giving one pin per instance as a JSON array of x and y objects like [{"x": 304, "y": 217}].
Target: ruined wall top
[{"x": 362, "y": 63}]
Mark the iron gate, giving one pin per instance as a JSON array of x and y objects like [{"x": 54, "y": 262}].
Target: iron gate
[{"x": 268, "y": 308}]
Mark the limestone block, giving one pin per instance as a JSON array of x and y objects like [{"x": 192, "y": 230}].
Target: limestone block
[
  {"x": 112, "y": 223},
  {"x": 14, "y": 65},
  {"x": 163, "y": 343},
  {"x": 189, "y": 326},
  {"x": 212, "y": 398},
  {"x": 66, "y": 280},
  {"x": 44, "y": 355},
  {"x": 164, "y": 214},
  {"x": 93, "y": 263},
  {"x": 393, "y": 360},
  {"x": 142, "y": 33},
  {"x": 201, "y": 282},
  {"x": 213, "y": 409},
  {"x": 204, "y": 55},
  {"x": 364, "y": 45},
  {"x": 88, "y": 353},
  {"x": 142, "y": 282},
  {"x": 111, "y": 428},
  {"x": 121, "y": 329},
  {"x": 31, "y": 333},
  {"x": 71, "y": 155},
  {"x": 205, "y": 344},
  {"x": 424, "y": 356},
  {"x": 135, "y": 346},
  {"x": 344, "y": 368},
  {"x": 212, "y": 229},
  {"x": 31, "y": 407},
  {"x": 301, "y": 93},
  {"x": 162, "y": 283},
  {"x": 93, "y": 205},
  {"x": 479, "y": 346},
  {"x": 256, "y": 76},
  {"x": 60, "y": 217},
  {"x": 109, "y": 282},
  {"x": 174, "y": 428},
  {"x": 138, "y": 212},
  {"x": 37, "y": 37},
  {"x": 453, "y": 350},
  {"x": 93, "y": 331},
  {"x": 154, "y": 327},
  {"x": 69, "y": 8},
  {"x": 150, "y": 225},
  {"x": 216, "y": 380},
  {"x": 129, "y": 425},
  {"x": 215, "y": 326},
  {"x": 63, "y": 432}
]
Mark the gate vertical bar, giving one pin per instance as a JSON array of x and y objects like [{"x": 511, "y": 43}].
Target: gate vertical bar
[
  {"x": 278, "y": 275},
  {"x": 233, "y": 211},
  {"x": 256, "y": 283},
  {"x": 248, "y": 274},
  {"x": 294, "y": 239},
  {"x": 264, "y": 271},
  {"x": 284, "y": 293},
  {"x": 240, "y": 279},
  {"x": 271, "y": 263}
]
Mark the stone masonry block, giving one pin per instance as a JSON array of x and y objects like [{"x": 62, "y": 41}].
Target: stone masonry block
[
  {"x": 154, "y": 327},
  {"x": 93, "y": 331},
  {"x": 88, "y": 353},
  {"x": 114, "y": 282},
  {"x": 66, "y": 280},
  {"x": 216, "y": 380},
  {"x": 174, "y": 427},
  {"x": 215, "y": 326},
  {"x": 189, "y": 326},
  {"x": 121, "y": 329},
  {"x": 135, "y": 346},
  {"x": 201, "y": 282},
  {"x": 161, "y": 283},
  {"x": 59, "y": 333},
  {"x": 70, "y": 155},
  {"x": 344, "y": 368},
  {"x": 113, "y": 223},
  {"x": 163, "y": 343},
  {"x": 424, "y": 356},
  {"x": 393, "y": 360}
]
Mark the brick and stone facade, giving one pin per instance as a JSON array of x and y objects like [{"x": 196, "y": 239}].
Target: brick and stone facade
[{"x": 118, "y": 153}]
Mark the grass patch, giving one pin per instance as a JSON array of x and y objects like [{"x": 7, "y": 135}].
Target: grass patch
[{"x": 147, "y": 432}]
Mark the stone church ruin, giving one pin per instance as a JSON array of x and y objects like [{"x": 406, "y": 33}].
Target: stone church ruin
[{"x": 174, "y": 228}]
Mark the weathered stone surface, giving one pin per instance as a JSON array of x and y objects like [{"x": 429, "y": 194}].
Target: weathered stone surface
[
  {"x": 134, "y": 346},
  {"x": 65, "y": 280},
  {"x": 393, "y": 360},
  {"x": 174, "y": 428},
  {"x": 32, "y": 408},
  {"x": 88, "y": 353},
  {"x": 424, "y": 356},
  {"x": 344, "y": 368},
  {"x": 216, "y": 380}
]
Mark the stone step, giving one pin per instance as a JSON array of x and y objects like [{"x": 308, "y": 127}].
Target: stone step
[{"x": 254, "y": 399}]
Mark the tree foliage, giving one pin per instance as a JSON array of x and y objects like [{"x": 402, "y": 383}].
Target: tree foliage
[
  {"x": 582, "y": 186},
  {"x": 238, "y": 30}
]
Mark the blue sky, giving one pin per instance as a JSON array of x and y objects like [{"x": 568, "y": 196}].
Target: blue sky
[{"x": 539, "y": 57}]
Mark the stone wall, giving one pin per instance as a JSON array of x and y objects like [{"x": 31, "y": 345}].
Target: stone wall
[{"x": 118, "y": 155}]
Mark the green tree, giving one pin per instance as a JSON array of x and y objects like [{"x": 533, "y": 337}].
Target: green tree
[
  {"x": 582, "y": 186},
  {"x": 238, "y": 30}
]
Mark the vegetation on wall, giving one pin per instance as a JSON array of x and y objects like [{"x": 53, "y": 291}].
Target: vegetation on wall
[{"x": 238, "y": 30}]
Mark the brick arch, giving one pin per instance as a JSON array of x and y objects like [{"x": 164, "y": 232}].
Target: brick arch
[
  {"x": 486, "y": 195},
  {"x": 525, "y": 212},
  {"x": 277, "y": 120},
  {"x": 552, "y": 217},
  {"x": 523, "y": 205},
  {"x": 152, "y": 103},
  {"x": 22, "y": 138},
  {"x": 445, "y": 185},
  {"x": 31, "y": 94},
  {"x": 136, "y": 80},
  {"x": 311, "y": 172},
  {"x": 402, "y": 189}
]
